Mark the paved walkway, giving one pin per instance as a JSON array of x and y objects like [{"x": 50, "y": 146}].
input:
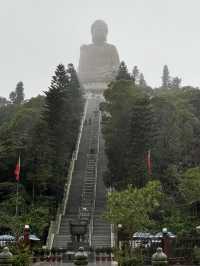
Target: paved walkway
[{"x": 103, "y": 263}]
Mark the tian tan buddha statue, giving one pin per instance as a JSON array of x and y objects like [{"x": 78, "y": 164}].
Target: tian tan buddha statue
[{"x": 98, "y": 61}]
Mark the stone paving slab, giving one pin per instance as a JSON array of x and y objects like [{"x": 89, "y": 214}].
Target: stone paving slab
[
  {"x": 103, "y": 263},
  {"x": 98, "y": 263}
]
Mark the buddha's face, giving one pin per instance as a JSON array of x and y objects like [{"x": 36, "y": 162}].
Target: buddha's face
[{"x": 99, "y": 32}]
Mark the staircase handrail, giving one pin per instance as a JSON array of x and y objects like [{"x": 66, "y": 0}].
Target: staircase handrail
[
  {"x": 91, "y": 229},
  {"x": 54, "y": 225},
  {"x": 72, "y": 163},
  {"x": 61, "y": 211},
  {"x": 113, "y": 233},
  {"x": 50, "y": 237}
]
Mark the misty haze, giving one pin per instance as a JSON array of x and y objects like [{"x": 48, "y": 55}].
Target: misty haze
[
  {"x": 38, "y": 35},
  {"x": 99, "y": 132}
]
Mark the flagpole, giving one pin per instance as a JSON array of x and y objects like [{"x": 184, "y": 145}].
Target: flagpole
[
  {"x": 17, "y": 196},
  {"x": 149, "y": 162},
  {"x": 17, "y": 175}
]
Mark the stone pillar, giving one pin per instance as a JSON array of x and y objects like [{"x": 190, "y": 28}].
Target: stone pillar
[
  {"x": 6, "y": 257},
  {"x": 159, "y": 258}
]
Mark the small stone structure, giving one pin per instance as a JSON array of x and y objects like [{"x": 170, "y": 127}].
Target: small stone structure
[
  {"x": 159, "y": 258},
  {"x": 78, "y": 229},
  {"x": 6, "y": 257}
]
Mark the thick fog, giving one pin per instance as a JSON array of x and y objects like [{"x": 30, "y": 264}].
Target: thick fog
[{"x": 37, "y": 35}]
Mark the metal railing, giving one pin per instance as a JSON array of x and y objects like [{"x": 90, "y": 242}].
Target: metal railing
[
  {"x": 73, "y": 160},
  {"x": 50, "y": 237},
  {"x": 95, "y": 186},
  {"x": 55, "y": 225}
]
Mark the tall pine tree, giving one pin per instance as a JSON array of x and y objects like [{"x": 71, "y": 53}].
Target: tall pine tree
[
  {"x": 62, "y": 115},
  {"x": 142, "y": 82},
  {"x": 165, "y": 77},
  {"x": 176, "y": 83},
  {"x": 123, "y": 72},
  {"x": 74, "y": 102},
  {"x": 17, "y": 96},
  {"x": 57, "y": 126},
  {"x": 139, "y": 135},
  {"x": 135, "y": 74}
]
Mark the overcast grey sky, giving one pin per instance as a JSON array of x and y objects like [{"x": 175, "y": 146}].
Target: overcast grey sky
[{"x": 37, "y": 35}]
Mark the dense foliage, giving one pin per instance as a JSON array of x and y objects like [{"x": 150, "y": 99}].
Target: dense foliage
[
  {"x": 138, "y": 122},
  {"x": 166, "y": 122},
  {"x": 43, "y": 132},
  {"x": 132, "y": 207}
]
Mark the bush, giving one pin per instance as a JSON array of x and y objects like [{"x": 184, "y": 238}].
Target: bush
[
  {"x": 133, "y": 261},
  {"x": 22, "y": 259},
  {"x": 196, "y": 255}
]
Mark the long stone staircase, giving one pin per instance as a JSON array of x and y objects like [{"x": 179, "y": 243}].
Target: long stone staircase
[
  {"x": 101, "y": 228},
  {"x": 87, "y": 193}
]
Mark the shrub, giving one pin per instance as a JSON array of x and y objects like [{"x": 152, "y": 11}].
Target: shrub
[
  {"x": 22, "y": 259},
  {"x": 133, "y": 261}
]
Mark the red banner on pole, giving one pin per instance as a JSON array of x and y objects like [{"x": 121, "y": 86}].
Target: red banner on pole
[{"x": 17, "y": 170}]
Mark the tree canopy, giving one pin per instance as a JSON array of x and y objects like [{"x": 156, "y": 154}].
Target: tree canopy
[
  {"x": 132, "y": 207},
  {"x": 43, "y": 130},
  {"x": 164, "y": 121}
]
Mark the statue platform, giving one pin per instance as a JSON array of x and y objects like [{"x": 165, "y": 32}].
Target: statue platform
[{"x": 95, "y": 87}]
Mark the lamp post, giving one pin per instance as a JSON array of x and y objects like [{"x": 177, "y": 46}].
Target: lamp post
[
  {"x": 26, "y": 234},
  {"x": 166, "y": 241},
  {"x": 119, "y": 227}
]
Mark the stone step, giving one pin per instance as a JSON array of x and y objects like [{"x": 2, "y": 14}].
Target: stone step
[{"x": 84, "y": 182}]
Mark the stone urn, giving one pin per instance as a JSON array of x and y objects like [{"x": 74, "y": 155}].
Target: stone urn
[
  {"x": 6, "y": 257},
  {"x": 159, "y": 258},
  {"x": 81, "y": 257},
  {"x": 78, "y": 230}
]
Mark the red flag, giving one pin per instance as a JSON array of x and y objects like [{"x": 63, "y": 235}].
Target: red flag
[
  {"x": 148, "y": 161},
  {"x": 17, "y": 170}
]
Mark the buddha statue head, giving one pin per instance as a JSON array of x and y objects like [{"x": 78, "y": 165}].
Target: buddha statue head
[{"x": 99, "y": 30}]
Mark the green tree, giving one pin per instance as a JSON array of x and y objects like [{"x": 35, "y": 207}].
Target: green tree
[
  {"x": 63, "y": 107},
  {"x": 56, "y": 118},
  {"x": 176, "y": 126},
  {"x": 6, "y": 113},
  {"x": 139, "y": 135},
  {"x": 75, "y": 103},
  {"x": 190, "y": 185},
  {"x": 44, "y": 130},
  {"x": 3, "y": 101},
  {"x": 166, "y": 145},
  {"x": 142, "y": 82},
  {"x": 165, "y": 77},
  {"x": 16, "y": 136},
  {"x": 17, "y": 96},
  {"x": 123, "y": 72},
  {"x": 119, "y": 100},
  {"x": 135, "y": 74},
  {"x": 175, "y": 83},
  {"x": 126, "y": 131},
  {"x": 133, "y": 207},
  {"x": 12, "y": 96}
]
